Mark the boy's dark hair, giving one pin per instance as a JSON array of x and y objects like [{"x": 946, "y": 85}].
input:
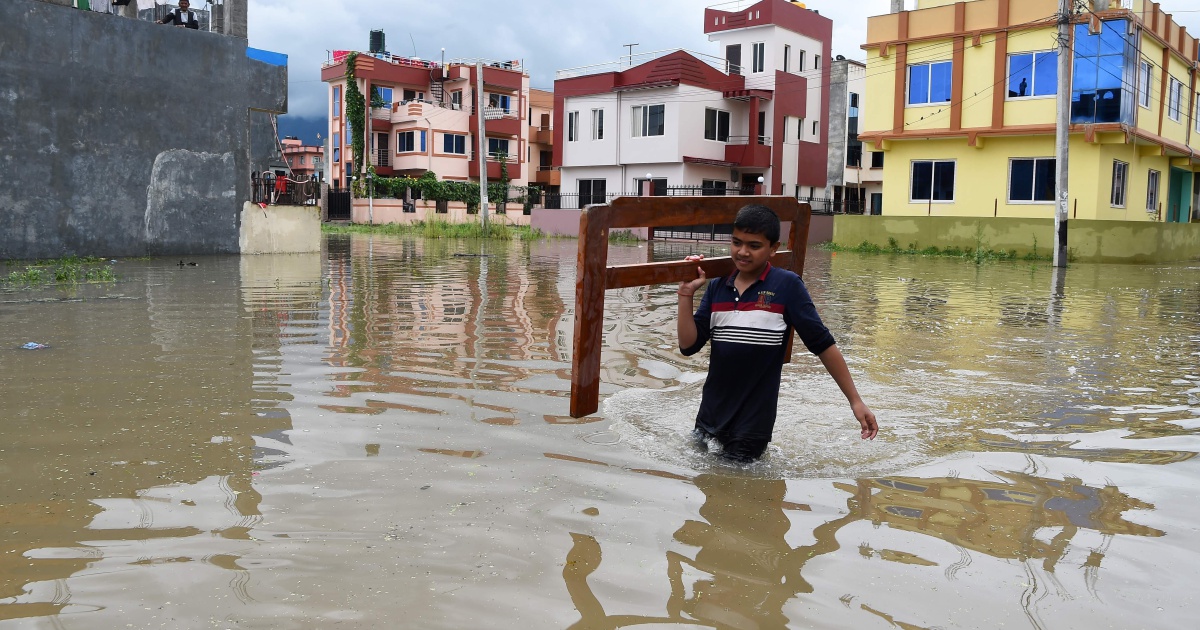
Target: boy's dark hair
[{"x": 757, "y": 219}]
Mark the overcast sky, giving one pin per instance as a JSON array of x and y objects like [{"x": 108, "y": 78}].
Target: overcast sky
[{"x": 548, "y": 35}]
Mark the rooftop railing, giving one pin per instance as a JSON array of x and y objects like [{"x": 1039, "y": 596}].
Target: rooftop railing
[{"x": 629, "y": 61}]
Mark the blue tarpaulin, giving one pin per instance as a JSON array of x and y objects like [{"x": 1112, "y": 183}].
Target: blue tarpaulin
[{"x": 266, "y": 56}]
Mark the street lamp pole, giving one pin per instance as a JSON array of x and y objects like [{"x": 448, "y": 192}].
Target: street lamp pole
[
  {"x": 481, "y": 145},
  {"x": 1062, "y": 138}
]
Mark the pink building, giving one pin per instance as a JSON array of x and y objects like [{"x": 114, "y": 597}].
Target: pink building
[{"x": 304, "y": 160}]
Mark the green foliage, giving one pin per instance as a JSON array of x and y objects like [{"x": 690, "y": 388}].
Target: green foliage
[
  {"x": 978, "y": 254},
  {"x": 376, "y": 98},
  {"x": 623, "y": 236},
  {"x": 69, "y": 270},
  {"x": 356, "y": 114},
  {"x": 438, "y": 229}
]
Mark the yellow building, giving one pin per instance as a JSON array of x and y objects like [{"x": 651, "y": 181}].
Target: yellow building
[{"x": 961, "y": 99}]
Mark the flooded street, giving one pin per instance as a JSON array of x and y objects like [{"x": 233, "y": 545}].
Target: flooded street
[{"x": 378, "y": 437}]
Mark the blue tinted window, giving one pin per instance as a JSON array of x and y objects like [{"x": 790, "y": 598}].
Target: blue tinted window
[
  {"x": 1020, "y": 75},
  {"x": 1045, "y": 74},
  {"x": 918, "y": 85},
  {"x": 1104, "y": 67},
  {"x": 930, "y": 83},
  {"x": 940, "y": 81}
]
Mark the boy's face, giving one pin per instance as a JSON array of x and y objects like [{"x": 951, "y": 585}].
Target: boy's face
[{"x": 750, "y": 252}]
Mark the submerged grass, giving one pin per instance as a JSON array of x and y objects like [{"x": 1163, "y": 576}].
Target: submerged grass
[
  {"x": 978, "y": 254},
  {"x": 68, "y": 270},
  {"x": 441, "y": 229}
]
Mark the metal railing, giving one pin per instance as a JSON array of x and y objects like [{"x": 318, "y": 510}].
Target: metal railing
[
  {"x": 629, "y": 61},
  {"x": 149, "y": 12},
  {"x": 270, "y": 189}
]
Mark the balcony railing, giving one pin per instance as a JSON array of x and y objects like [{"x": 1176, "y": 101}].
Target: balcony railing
[{"x": 334, "y": 57}]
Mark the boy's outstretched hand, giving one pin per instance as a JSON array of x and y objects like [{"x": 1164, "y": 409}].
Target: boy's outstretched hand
[{"x": 866, "y": 419}]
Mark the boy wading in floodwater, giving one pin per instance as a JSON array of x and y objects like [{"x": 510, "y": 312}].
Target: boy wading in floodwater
[{"x": 747, "y": 315}]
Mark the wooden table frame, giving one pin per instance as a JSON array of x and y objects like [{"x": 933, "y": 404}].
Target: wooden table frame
[{"x": 594, "y": 276}]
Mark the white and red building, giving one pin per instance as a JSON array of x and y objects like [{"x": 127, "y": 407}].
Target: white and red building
[{"x": 688, "y": 119}]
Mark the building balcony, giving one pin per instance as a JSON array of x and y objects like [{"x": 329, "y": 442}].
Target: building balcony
[
  {"x": 410, "y": 111},
  {"x": 410, "y": 162},
  {"x": 493, "y": 169},
  {"x": 509, "y": 125},
  {"x": 740, "y": 151},
  {"x": 541, "y": 135},
  {"x": 548, "y": 175}
]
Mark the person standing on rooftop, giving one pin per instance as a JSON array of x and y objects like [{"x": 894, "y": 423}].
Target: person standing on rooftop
[{"x": 183, "y": 16}]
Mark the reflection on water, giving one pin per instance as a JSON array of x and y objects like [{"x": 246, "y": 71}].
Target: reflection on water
[
  {"x": 743, "y": 570},
  {"x": 390, "y": 417}
]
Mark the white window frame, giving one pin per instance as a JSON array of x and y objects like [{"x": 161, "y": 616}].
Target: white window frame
[
  {"x": 505, "y": 101},
  {"x": 1120, "y": 185},
  {"x": 1175, "y": 100},
  {"x": 787, "y": 58},
  {"x": 1033, "y": 71},
  {"x": 1153, "y": 183},
  {"x": 496, "y": 155},
  {"x": 1145, "y": 84},
  {"x": 758, "y": 57},
  {"x": 416, "y": 141},
  {"x": 1031, "y": 202},
  {"x": 598, "y": 124},
  {"x": 929, "y": 68},
  {"x": 816, "y": 62},
  {"x": 717, "y": 125},
  {"x": 572, "y": 126},
  {"x": 452, "y": 143},
  {"x": 641, "y": 120},
  {"x": 954, "y": 187}
]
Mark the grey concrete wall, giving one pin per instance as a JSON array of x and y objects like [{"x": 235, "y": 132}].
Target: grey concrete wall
[
  {"x": 839, "y": 102},
  {"x": 122, "y": 137}
]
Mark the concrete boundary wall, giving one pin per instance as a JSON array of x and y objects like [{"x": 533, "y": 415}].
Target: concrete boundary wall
[
  {"x": 121, "y": 137},
  {"x": 280, "y": 229},
  {"x": 1087, "y": 240}
]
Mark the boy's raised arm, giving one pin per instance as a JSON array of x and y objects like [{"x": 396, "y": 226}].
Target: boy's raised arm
[{"x": 685, "y": 323}]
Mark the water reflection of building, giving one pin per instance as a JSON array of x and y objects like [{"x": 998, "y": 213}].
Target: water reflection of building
[
  {"x": 748, "y": 570},
  {"x": 133, "y": 445},
  {"x": 413, "y": 311}
]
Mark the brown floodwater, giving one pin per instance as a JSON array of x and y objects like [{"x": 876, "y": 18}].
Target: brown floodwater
[{"x": 378, "y": 437}]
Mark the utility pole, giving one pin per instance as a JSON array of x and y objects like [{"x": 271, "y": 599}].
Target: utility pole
[
  {"x": 1062, "y": 138},
  {"x": 481, "y": 145}
]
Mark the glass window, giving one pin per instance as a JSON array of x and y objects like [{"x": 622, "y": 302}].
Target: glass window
[
  {"x": 759, "y": 53},
  {"x": 385, "y": 94},
  {"x": 1120, "y": 173},
  {"x": 1100, "y": 88},
  {"x": 597, "y": 124},
  {"x": 932, "y": 180},
  {"x": 713, "y": 187},
  {"x": 1152, "y": 192},
  {"x": 501, "y": 101},
  {"x": 572, "y": 126},
  {"x": 929, "y": 83},
  {"x": 1144, "y": 84},
  {"x": 496, "y": 146},
  {"x": 1033, "y": 74},
  {"x": 1175, "y": 100},
  {"x": 1031, "y": 180},
  {"x": 649, "y": 120},
  {"x": 337, "y": 147},
  {"x": 456, "y": 99},
  {"x": 592, "y": 191},
  {"x": 409, "y": 141},
  {"x": 337, "y": 101},
  {"x": 877, "y": 159},
  {"x": 454, "y": 143},
  {"x": 787, "y": 58},
  {"x": 733, "y": 58},
  {"x": 716, "y": 125}
]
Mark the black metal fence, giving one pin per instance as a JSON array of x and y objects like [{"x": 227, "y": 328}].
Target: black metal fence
[
  {"x": 338, "y": 200},
  {"x": 271, "y": 189}
]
